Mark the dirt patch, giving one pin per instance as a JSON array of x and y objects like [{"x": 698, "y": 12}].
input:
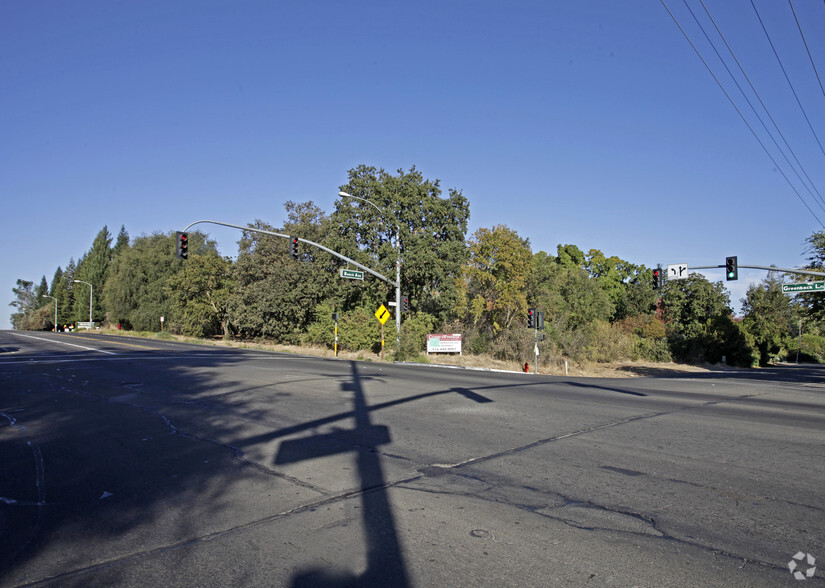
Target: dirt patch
[{"x": 629, "y": 369}]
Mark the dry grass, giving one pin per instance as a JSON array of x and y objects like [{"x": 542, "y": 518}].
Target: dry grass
[{"x": 549, "y": 366}]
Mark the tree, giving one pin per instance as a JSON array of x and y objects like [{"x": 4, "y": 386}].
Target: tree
[
  {"x": 122, "y": 242},
  {"x": 134, "y": 294},
  {"x": 409, "y": 217},
  {"x": 200, "y": 293},
  {"x": 697, "y": 314},
  {"x": 813, "y": 304},
  {"x": 496, "y": 277},
  {"x": 769, "y": 316},
  {"x": 41, "y": 290},
  {"x": 93, "y": 268},
  {"x": 627, "y": 285},
  {"x": 58, "y": 276},
  {"x": 276, "y": 296},
  {"x": 25, "y": 303},
  {"x": 65, "y": 294}
]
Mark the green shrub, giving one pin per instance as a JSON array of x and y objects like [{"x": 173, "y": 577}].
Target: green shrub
[
  {"x": 813, "y": 349},
  {"x": 651, "y": 350},
  {"x": 606, "y": 342},
  {"x": 358, "y": 330},
  {"x": 322, "y": 330},
  {"x": 414, "y": 331}
]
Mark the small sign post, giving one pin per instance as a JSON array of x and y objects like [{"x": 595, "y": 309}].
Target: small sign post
[
  {"x": 382, "y": 314},
  {"x": 335, "y": 318}
]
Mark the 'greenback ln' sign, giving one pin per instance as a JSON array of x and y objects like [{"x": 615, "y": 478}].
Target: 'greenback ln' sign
[{"x": 806, "y": 287}]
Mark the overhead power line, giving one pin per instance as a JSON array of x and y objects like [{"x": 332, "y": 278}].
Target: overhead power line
[
  {"x": 788, "y": 79},
  {"x": 818, "y": 196},
  {"x": 739, "y": 112},
  {"x": 805, "y": 42}
]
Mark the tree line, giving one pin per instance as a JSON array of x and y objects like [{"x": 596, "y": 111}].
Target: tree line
[{"x": 597, "y": 307}]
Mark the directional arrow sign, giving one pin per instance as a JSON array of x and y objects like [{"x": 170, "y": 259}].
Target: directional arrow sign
[
  {"x": 352, "y": 274},
  {"x": 677, "y": 271},
  {"x": 382, "y": 314},
  {"x": 806, "y": 287}
]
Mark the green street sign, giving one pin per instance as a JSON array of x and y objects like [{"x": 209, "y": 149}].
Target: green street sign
[
  {"x": 352, "y": 274},
  {"x": 805, "y": 287}
]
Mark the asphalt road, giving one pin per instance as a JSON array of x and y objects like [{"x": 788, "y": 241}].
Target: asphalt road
[{"x": 135, "y": 462}]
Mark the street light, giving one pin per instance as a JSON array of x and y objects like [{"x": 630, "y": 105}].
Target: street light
[
  {"x": 91, "y": 290},
  {"x": 55, "y": 310},
  {"x": 397, "y": 261}
]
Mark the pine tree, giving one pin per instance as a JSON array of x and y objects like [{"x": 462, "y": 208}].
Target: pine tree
[
  {"x": 93, "y": 268},
  {"x": 65, "y": 295},
  {"x": 58, "y": 276},
  {"x": 41, "y": 290}
]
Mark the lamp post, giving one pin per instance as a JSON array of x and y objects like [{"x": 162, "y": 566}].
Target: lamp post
[
  {"x": 91, "y": 290},
  {"x": 55, "y": 310},
  {"x": 397, "y": 261}
]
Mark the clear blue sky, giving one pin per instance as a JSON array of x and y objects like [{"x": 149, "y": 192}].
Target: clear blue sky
[{"x": 592, "y": 123}]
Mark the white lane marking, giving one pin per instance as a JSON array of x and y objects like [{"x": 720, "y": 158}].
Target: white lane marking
[{"x": 64, "y": 343}]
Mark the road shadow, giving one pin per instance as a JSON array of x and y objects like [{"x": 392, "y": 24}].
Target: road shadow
[
  {"x": 104, "y": 455},
  {"x": 385, "y": 560}
]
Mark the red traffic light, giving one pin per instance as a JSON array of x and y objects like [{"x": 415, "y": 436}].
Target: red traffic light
[{"x": 182, "y": 245}]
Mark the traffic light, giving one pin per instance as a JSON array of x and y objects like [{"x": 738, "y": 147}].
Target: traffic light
[
  {"x": 405, "y": 303},
  {"x": 293, "y": 247},
  {"x": 531, "y": 318},
  {"x": 657, "y": 278},
  {"x": 540, "y": 320},
  {"x": 181, "y": 245},
  {"x": 731, "y": 268}
]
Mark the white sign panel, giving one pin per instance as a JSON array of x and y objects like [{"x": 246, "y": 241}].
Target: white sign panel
[
  {"x": 444, "y": 344},
  {"x": 677, "y": 271}
]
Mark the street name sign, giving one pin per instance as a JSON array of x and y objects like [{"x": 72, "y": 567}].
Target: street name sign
[
  {"x": 804, "y": 287},
  {"x": 352, "y": 274}
]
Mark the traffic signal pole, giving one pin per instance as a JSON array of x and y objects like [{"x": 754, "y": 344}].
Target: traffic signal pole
[
  {"x": 769, "y": 268},
  {"x": 397, "y": 284}
]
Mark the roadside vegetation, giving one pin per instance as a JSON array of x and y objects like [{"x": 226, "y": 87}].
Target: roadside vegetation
[{"x": 597, "y": 308}]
